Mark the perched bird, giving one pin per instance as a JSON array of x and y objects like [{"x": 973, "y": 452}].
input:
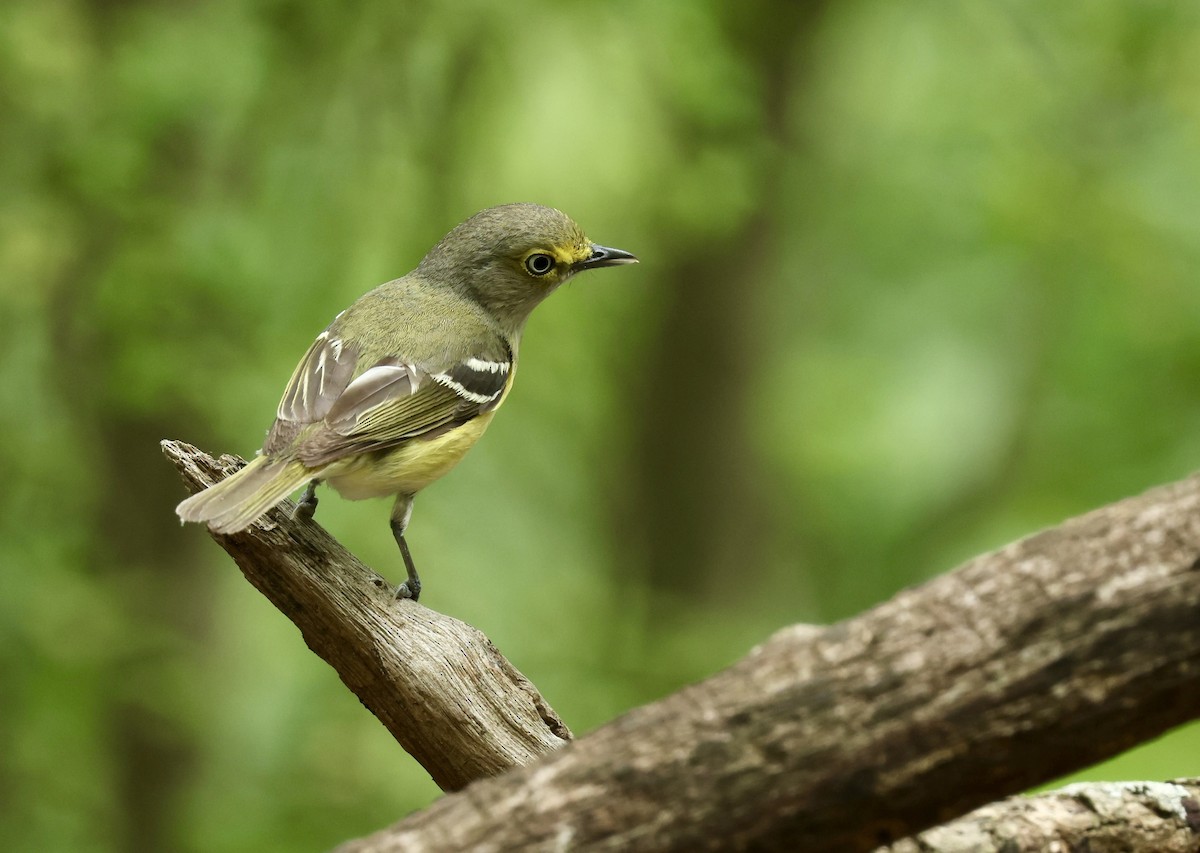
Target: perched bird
[{"x": 403, "y": 382}]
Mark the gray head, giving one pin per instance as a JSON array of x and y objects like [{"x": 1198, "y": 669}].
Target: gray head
[{"x": 512, "y": 257}]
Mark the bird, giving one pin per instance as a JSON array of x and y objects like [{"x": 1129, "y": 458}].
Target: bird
[{"x": 392, "y": 394}]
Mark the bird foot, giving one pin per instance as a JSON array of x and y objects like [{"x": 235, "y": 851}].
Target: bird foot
[
  {"x": 410, "y": 588},
  {"x": 306, "y": 508}
]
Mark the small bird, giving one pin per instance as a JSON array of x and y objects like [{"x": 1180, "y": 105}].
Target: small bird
[{"x": 401, "y": 384}]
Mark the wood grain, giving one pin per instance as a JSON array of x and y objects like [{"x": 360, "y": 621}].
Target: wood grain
[{"x": 439, "y": 685}]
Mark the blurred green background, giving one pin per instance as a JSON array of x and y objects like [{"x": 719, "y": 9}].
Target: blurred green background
[{"x": 917, "y": 279}]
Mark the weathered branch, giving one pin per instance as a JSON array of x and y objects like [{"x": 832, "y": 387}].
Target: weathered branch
[
  {"x": 1163, "y": 817},
  {"x": 1041, "y": 658},
  {"x": 439, "y": 686}
]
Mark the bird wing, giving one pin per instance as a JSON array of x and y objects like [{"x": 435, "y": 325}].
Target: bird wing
[{"x": 338, "y": 404}]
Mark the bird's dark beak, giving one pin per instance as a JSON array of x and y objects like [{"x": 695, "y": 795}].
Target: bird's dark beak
[{"x": 603, "y": 256}]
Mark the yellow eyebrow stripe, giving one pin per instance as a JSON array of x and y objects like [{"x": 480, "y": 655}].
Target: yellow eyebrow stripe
[{"x": 572, "y": 254}]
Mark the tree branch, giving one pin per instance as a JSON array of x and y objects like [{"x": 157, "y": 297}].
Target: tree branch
[
  {"x": 439, "y": 686},
  {"x": 1022, "y": 665},
  {"x": 1159, "y": 816}
]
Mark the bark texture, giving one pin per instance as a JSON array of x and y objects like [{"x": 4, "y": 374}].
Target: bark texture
[
  {"x": 1022, "y": 665},
  {"x": 1112, "y": 817},
  {"x": 439, "y": 686}
]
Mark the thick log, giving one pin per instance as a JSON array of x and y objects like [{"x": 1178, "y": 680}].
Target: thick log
[{"x": 1024, "y": 664}]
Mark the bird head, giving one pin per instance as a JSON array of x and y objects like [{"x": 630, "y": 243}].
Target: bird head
[{"x": 511, "y": 257}]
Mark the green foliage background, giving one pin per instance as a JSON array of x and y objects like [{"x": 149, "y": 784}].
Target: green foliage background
[{"x": 917, "y": 279}]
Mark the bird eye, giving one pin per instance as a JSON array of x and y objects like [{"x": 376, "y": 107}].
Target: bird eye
[{"x": 539, "y": 264}]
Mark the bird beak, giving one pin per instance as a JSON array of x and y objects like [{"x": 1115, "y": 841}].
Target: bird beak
[{"x": 603, "y": 256}]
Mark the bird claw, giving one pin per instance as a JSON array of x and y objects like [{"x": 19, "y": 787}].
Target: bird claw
[
  {"x": 409, "y": 589},
  {"x": 306, "y": 508}
]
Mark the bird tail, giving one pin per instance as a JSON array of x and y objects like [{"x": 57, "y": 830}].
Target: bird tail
[{"x": 241, "y": 498}]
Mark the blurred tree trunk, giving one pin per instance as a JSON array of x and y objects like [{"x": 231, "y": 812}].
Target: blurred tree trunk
[
  {"x": 152, "y": 753},
  {"x": 695, "y": 501}
]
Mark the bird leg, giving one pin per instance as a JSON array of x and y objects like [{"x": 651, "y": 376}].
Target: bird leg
[
  {"x": 402, "y": 512},
  {"x": 307, "y": 506},
  {"x": 410, "y": 588}
]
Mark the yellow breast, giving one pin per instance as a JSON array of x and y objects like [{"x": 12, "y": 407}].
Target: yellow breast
[{"x": 405, "y": 469}]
